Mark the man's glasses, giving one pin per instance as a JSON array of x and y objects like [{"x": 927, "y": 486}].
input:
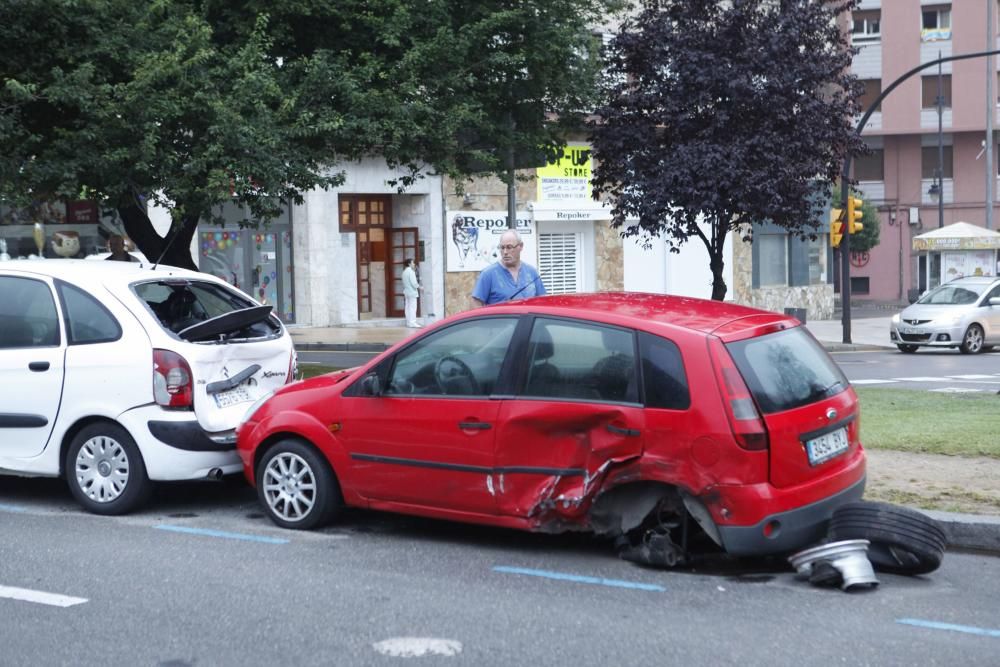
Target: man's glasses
[{"x": 510, "y": 246}]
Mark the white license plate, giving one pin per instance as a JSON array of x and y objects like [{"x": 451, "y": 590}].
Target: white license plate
[
  {"x": 907, "y": 330},
  {"x": 234, "y": 396},
  {"x": 827, "y": 446}
]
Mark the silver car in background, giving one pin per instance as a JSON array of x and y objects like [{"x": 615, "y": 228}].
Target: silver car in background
[{"x": 963, "y": 313}]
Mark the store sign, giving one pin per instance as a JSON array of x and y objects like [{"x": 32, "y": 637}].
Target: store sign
[
  {"x": 568, "y": 178},
  {"x": 475, "y": 237},
  {"x": 957, "y": 243},
  {"x": 969, "y": 263}
]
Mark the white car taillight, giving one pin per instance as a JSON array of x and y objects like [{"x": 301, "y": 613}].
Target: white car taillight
[
  {"x": 172, "y": 382},
  {"x": 293, "y": 367}
]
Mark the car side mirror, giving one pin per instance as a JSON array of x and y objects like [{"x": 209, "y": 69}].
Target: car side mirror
[
  {"x": 371, "y": 385},
  {"x": 995, "y": 301}
]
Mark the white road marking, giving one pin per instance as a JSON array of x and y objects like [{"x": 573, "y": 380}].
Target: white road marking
[
  {"x": 873, "y": 381},
  {"x": 973, "y": 377},
  {"x": 39, "y": 597},
  {"x": 956, "y": 390},
  {"x": 923, "y": 379},
  {"x": 416, "y": 647}
]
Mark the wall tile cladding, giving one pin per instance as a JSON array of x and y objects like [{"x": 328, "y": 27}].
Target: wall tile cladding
[{"x": 610, "y": 258}]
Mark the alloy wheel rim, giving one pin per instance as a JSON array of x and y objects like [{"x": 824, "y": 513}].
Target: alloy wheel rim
[
  {"x": 974, "y": 339},
  {"x": 289, "y": 487},
  {"x": 102, "y": 469}
]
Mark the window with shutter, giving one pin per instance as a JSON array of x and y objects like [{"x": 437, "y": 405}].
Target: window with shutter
[{"x": 560, "y": 261}]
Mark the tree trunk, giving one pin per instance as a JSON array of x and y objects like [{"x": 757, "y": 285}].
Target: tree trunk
[
  {"x": 719, "y": 288},
  {"x": 174, "y": 250}
]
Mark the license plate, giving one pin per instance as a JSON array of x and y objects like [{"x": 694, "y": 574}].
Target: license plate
[
  {"x": 827, "y": 446},
  {"x": 234, "y": 396},
  {"x": 907, "y": 330}
]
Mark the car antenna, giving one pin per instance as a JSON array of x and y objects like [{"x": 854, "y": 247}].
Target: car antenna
[
  {"x": 173, "y": 236},
  {"x": 523, "y": 287}
]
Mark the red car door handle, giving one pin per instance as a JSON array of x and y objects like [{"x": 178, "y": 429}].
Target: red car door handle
[
  {"x": 476, "y": 426},
  {"x": 631, "y": 432},
  {"x": 38, "y": 366}
]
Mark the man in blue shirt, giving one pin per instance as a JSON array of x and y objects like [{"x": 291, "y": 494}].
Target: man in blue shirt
[{"x": 510, "y": 278}]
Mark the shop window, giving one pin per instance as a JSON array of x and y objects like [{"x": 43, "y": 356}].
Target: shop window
[
  {"x": 859, "y": 285},
  {"x": 817, "y": 261},
  {"x": 929, "y": 91},
  {"x": 870, "y": 167},
  {"x": 560, "y": 258},
  {"x": 773, "y": 255},
  {"x": 929, "y": 162}
]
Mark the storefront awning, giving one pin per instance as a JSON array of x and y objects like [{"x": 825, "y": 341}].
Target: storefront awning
[{"x": 958, "y": 236}]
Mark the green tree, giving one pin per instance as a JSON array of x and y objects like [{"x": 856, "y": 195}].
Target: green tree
[
  {"x": 727, "y": 112},
  {"x": 195, "y": 103}
]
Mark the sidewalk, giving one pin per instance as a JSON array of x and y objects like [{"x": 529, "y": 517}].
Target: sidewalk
[{"x": 964, "y": 531}]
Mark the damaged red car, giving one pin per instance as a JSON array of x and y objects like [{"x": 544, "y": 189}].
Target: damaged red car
[{"x": 652, "y": 420}]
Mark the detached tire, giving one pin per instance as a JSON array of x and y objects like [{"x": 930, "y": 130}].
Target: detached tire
[{"x": 903, "y": 541}]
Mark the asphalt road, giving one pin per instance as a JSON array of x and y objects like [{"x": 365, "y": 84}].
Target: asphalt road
[
  {"x": 932, "y": 370},
  {"x": 201, "y": 578}
]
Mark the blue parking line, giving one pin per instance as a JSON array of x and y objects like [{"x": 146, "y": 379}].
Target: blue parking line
[
  {"x": 562, "y": 576},
  {"x": 219, "y": 533},
  {"x": 935, "y": 625},
  {"x": 12, "y": 508}
]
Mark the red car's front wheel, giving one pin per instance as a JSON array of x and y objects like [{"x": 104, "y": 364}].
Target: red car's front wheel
[{"x": 296, "y": 486}]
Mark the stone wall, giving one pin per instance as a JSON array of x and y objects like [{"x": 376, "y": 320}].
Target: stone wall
[{"x": 609, "y": 257}]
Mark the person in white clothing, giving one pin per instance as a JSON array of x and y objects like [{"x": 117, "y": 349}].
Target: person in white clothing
[{"x": 411, "y": 291}]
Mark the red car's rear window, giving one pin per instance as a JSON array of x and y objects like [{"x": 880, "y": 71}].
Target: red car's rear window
[{"x": 786, "y": 370}]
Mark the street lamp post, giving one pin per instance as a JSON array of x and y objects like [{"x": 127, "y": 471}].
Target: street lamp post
[{"x": 939, "y": 172}]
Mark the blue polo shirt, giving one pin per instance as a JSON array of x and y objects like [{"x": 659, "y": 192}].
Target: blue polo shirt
[{"x": 496, "y": 285}]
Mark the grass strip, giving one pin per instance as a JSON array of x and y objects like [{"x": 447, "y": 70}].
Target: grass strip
[{"x": 965, "y": 424}]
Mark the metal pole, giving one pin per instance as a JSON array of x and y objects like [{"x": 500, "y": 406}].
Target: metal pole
[
  {"x": 511, "y": 188},
  {"x": 991, "y": 114},
  {"x": 940, "y": 169}
]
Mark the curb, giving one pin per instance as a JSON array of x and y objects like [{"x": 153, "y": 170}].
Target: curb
[
  {"x": 852, "y": 347},
  {"x": 969, "y": 531},
  {"x": 341, "y": 347}
]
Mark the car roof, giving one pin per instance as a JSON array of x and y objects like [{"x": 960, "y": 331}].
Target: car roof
[
  {"x": 653, "y": 311},
  {"x": 976, "y": 280},
  {"x": 83, "y": 269}
]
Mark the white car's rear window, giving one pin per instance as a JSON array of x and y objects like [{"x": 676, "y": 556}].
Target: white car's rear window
[{"x": 179, "y": 304}]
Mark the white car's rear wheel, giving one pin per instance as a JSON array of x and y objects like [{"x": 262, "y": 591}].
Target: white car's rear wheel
[{"x": 105, "y": 470}]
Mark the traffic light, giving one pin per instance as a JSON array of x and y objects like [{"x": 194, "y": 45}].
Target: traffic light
[
  {"x": 836, "y": 226},
  {"x": 854, "y": 215}
]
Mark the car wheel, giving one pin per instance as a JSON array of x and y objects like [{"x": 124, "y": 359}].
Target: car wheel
[
  {"x": 105, "y": 471},
  {"x": 903, "y": 541},
  {"x": 972, "y": 341},
  {"x": 907, "y": 349},
  {"x": 297, "y": 487}
]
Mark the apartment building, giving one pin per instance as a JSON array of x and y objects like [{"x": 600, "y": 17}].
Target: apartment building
[{"x": 913, "y": 163}]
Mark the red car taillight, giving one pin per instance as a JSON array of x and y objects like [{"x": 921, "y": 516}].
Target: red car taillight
[
  {"x": 744, "y": 420},
  {"x": 172, "y": 383}
]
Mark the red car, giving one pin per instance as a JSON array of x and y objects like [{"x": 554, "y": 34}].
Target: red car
[{"x": 650, "y": 419}]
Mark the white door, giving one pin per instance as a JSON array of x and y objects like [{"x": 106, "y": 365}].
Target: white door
[
  {"x": 31, "y": 366},
  {"x": 565, "y": 257}
]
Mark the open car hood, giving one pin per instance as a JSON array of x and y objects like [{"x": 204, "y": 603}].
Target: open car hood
[{"x": 225, "y": 323}]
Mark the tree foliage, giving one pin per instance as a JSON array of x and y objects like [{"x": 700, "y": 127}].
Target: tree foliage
[
  {"x": 727, "y": 113},
  {"x": 196, "y": 103}
]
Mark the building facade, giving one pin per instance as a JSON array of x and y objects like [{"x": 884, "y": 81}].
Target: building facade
[{"x": 913, "y": 163}]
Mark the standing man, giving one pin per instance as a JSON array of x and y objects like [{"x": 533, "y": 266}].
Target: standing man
[
  {"x": 510, "y": 278},
  {"x": 411, "y": 290},
  {"x": 116, "y": 244}
]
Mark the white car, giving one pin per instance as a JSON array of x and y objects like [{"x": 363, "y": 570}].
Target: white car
[{"x": 116, "y": 375}]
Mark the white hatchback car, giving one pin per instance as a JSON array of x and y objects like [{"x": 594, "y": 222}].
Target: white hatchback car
[{"x": 117, "y": 374}]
